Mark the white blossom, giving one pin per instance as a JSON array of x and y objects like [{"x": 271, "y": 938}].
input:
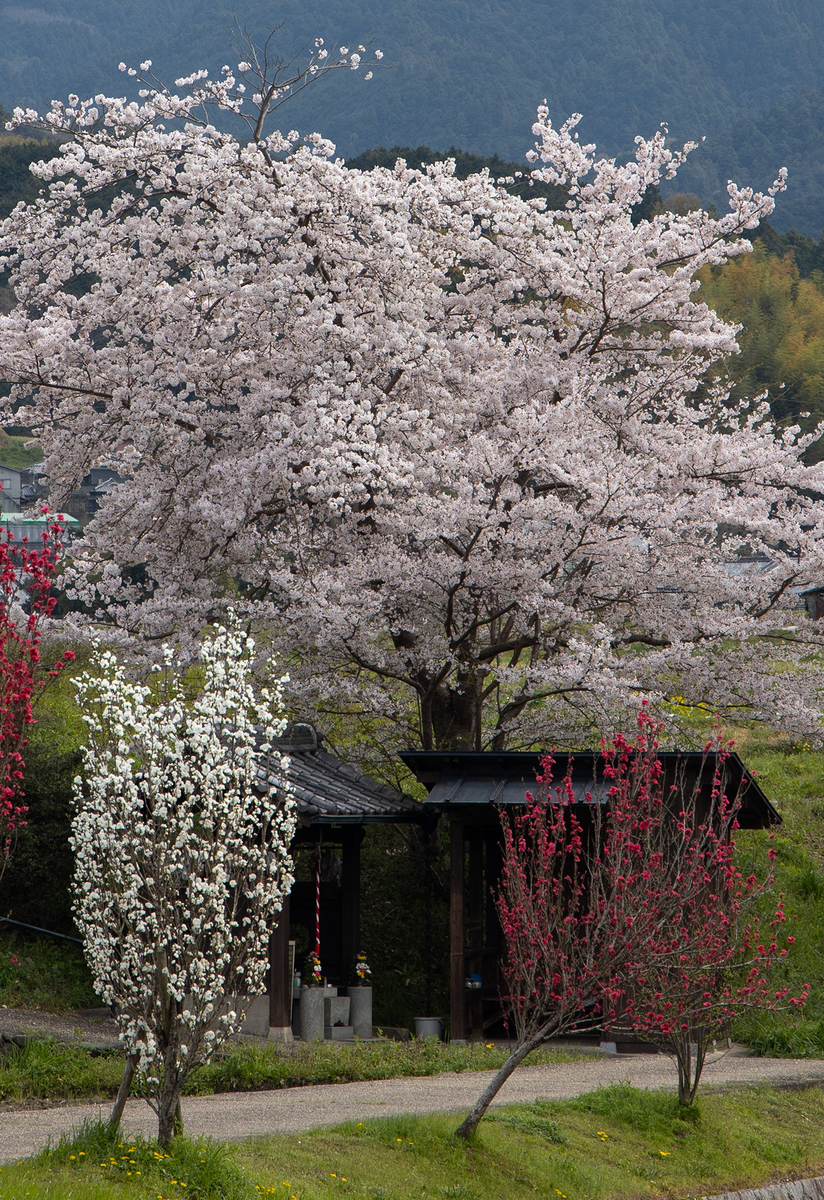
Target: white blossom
[
  {"x": 181, "y": 837},
  {"x": 459, "y": 449}
]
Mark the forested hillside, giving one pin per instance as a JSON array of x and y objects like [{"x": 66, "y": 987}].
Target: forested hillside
[
  {"x": 790, "y": 134},
  {"x": 471, "y": 74}
]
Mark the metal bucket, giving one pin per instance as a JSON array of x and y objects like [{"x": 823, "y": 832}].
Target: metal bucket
[{"x": 428, "y": 1027}]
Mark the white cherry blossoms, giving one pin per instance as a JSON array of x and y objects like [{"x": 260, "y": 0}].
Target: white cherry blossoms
[
  {"x": 182, "y": 832},
  {"x": 462, "y": 451}
]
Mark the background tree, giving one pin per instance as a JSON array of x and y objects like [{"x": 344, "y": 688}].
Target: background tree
[
  {"x": 782, "y": 340},
  {"x": 182, "y": 834},
  {"x": 444, "y": 442}
]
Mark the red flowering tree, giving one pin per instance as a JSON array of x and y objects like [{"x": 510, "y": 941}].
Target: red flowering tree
[
  {"x": 567, "y": 933},
  {"x": 624, "y": 910},
  {"x": 703, "y": 957},
  {"x": 26, "y": 577}
]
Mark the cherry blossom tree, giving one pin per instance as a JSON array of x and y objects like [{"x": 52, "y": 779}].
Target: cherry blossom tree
[
  {"x": 182, "y": 833},
  {"x": 705, "y": 957},
  {"x": 457, "y": 452},
  {"x": 27, "y": 575},
  {"x": 626, "y": 911}
]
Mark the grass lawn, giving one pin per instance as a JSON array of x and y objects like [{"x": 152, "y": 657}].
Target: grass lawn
[
  {"x": 614, "y": 1144},
  {"x": 793, "y": 778},
  {"x": 48, "y": 1071}
]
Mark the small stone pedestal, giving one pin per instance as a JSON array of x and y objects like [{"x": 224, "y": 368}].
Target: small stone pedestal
[
  {"x": 360, "y": 1011},
  {"x": 311, "y": 1013},
  {"x": 336, "y": 1027}
]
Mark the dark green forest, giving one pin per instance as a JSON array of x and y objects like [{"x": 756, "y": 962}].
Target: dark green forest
[
  {"x": 747, "y": 75},
  {"x": 750, "y": 151}
]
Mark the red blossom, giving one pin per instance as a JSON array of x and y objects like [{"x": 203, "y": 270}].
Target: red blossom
[
  {"x": 630, "y": 915},
  {"x": 24, "y": 571}
]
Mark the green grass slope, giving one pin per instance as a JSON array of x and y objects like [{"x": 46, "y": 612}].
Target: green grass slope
[{"x": 614, "y": 1144}]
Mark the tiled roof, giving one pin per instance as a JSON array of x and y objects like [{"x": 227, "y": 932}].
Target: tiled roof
[
  {"x": 492, "y": 778},
  {"x": 329, "y": 792},
  {"x": 466, "y": 789}
]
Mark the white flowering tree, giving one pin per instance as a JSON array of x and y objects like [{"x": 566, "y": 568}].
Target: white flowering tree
[
  {"x": 182, "y": 833},
  {"x": 458, "y": 450}
]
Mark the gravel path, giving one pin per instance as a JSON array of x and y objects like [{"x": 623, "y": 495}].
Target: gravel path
[
  {"x": 89, "y": 1026},
  {"x": 235, "y": 1116}
]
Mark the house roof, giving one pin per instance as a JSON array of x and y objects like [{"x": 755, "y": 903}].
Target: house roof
[
  {"x": 463, "y": 779},
  {"x": 27, "y": 517},
  {"x": 329, "y": 792}
]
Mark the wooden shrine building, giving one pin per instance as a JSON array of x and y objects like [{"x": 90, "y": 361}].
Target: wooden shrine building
[
  {"x": 335, "y": 803},
  {"x": 466, "y": 789}
]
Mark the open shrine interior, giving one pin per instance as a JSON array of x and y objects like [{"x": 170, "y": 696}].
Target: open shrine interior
[{"x": 466, "y": 791}]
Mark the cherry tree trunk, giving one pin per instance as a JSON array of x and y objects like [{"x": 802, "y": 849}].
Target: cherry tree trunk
[
  {"x": 123, "y": 1091},
  {"x": 470, "y": 1123},
  {"x": 169, "y": 1113},
  {"x": 689, "y": 1057}
]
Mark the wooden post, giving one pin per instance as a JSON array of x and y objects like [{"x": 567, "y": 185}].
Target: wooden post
[
  {"x": 456, "y": 931},
  {"x": 280, "y": 985},
  {"x": 475, "y": 929},
  {"x": 493, "y": 938},
  {"x": 492, "y": 933},
  {"x": 351, "y": 838}
]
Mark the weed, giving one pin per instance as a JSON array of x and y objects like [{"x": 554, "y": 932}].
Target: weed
[
  {"x": 533, "y": 1119},
  {"x": 43, "y": 973},
  {"x": 43, "y": 1069},
  {"x": 642, "y": 1111},
  {"x": 252, "y": 1068},
  {"x": 48, "y": 1070},
  {"x": 201, "y": 1169}
]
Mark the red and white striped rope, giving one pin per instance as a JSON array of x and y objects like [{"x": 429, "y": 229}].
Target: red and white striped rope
[{"x": 317, "y": 908}]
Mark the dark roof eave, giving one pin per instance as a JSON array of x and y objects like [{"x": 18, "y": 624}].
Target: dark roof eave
[
  {"x": 429, "y": 766},
  {"x": 405, "y": 818}
]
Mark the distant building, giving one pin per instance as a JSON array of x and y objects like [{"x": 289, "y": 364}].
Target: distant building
[
  {"x": 814, "y": 602},
  {"x": 33, "y": 524},
  {"x": 85, "y": 500},
  {"x": 21, "y": 486}
]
